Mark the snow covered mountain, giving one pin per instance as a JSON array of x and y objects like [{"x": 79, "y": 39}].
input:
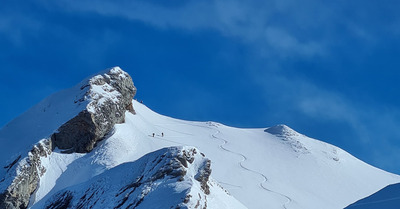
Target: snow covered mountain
[{"x": 92, "y": 146}]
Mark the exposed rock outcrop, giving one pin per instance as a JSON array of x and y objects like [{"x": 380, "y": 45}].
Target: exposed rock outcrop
[
  {"x": 24, "y": 177},
  {"x": 110, "y": 95},
  {"x": 167, "y": 178},
  {"x": 106, "y": 98},
  {"x": 203, "y": 175}
]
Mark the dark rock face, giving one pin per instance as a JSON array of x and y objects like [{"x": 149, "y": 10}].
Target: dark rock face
[
  {"x": 25, "y": 182},
  {"x": 79, "y": 133},
  {"x": 110, "y": 96},
  {"x": 203, "y": 175}
]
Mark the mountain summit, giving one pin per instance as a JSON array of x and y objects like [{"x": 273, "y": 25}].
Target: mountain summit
[
  {"x": 72, "y": 120},
  {"x": 108, "y": 96},
  {"x": 93, "y": 146}
]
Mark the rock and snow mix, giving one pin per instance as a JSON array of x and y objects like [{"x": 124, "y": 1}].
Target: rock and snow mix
[
  {"x": 176, "y": 177},
  {"x": 262, "y": 168},
  {"x": 73, "y": 119}
]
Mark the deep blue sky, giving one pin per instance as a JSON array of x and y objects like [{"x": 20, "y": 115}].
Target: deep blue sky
[{"x": 329, "y": 70}]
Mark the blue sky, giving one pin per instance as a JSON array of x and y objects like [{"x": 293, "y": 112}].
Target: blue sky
[{"x": 329, "y": 70}]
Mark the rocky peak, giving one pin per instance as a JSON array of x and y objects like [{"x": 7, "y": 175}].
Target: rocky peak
[
  {"x": 109, "y": 95},
  {"x": 82, "y": 115}
]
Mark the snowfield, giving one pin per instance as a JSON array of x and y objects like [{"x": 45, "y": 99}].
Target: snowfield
[{"x": 262, "y": 168}]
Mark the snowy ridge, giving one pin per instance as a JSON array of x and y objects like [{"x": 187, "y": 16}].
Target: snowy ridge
[{"x": 172, "y": 177}]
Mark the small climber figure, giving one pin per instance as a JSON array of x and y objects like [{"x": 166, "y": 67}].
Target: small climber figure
[
  {"x": 141, "y": 101},
  {"x": 162, "y": 134},
  {"x": 153, "y": 134}
]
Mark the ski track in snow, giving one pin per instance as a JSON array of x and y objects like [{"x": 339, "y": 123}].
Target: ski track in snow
[{"x": 244, "y": 158}]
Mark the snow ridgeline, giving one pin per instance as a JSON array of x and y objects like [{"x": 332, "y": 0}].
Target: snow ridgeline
[{"x": 74, "y": 120}]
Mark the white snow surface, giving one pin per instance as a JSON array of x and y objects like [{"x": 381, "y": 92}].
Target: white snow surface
[{"x": 276, "y": 168}]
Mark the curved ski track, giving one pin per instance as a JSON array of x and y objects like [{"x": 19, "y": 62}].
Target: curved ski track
[{"x": 244, "y": 158}]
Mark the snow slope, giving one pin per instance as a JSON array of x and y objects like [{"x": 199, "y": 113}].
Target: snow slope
[
  {"x": 387, "y": 198},
  {"x": 39, "y": 122},
  {"x": 262, "y": 168}
]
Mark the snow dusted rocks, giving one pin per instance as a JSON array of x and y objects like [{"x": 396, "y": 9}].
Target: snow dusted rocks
[
  {"x": 23, "y": 176},
  {"x": 109, "y": 95},
  {"x": 174, "y": 177}
]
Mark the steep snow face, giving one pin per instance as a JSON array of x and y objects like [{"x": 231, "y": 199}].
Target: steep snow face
[
  {"x": 262, "y": 168},
  {"x": 18, "y": 136},
  {"x": 175, "y": 177}
]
